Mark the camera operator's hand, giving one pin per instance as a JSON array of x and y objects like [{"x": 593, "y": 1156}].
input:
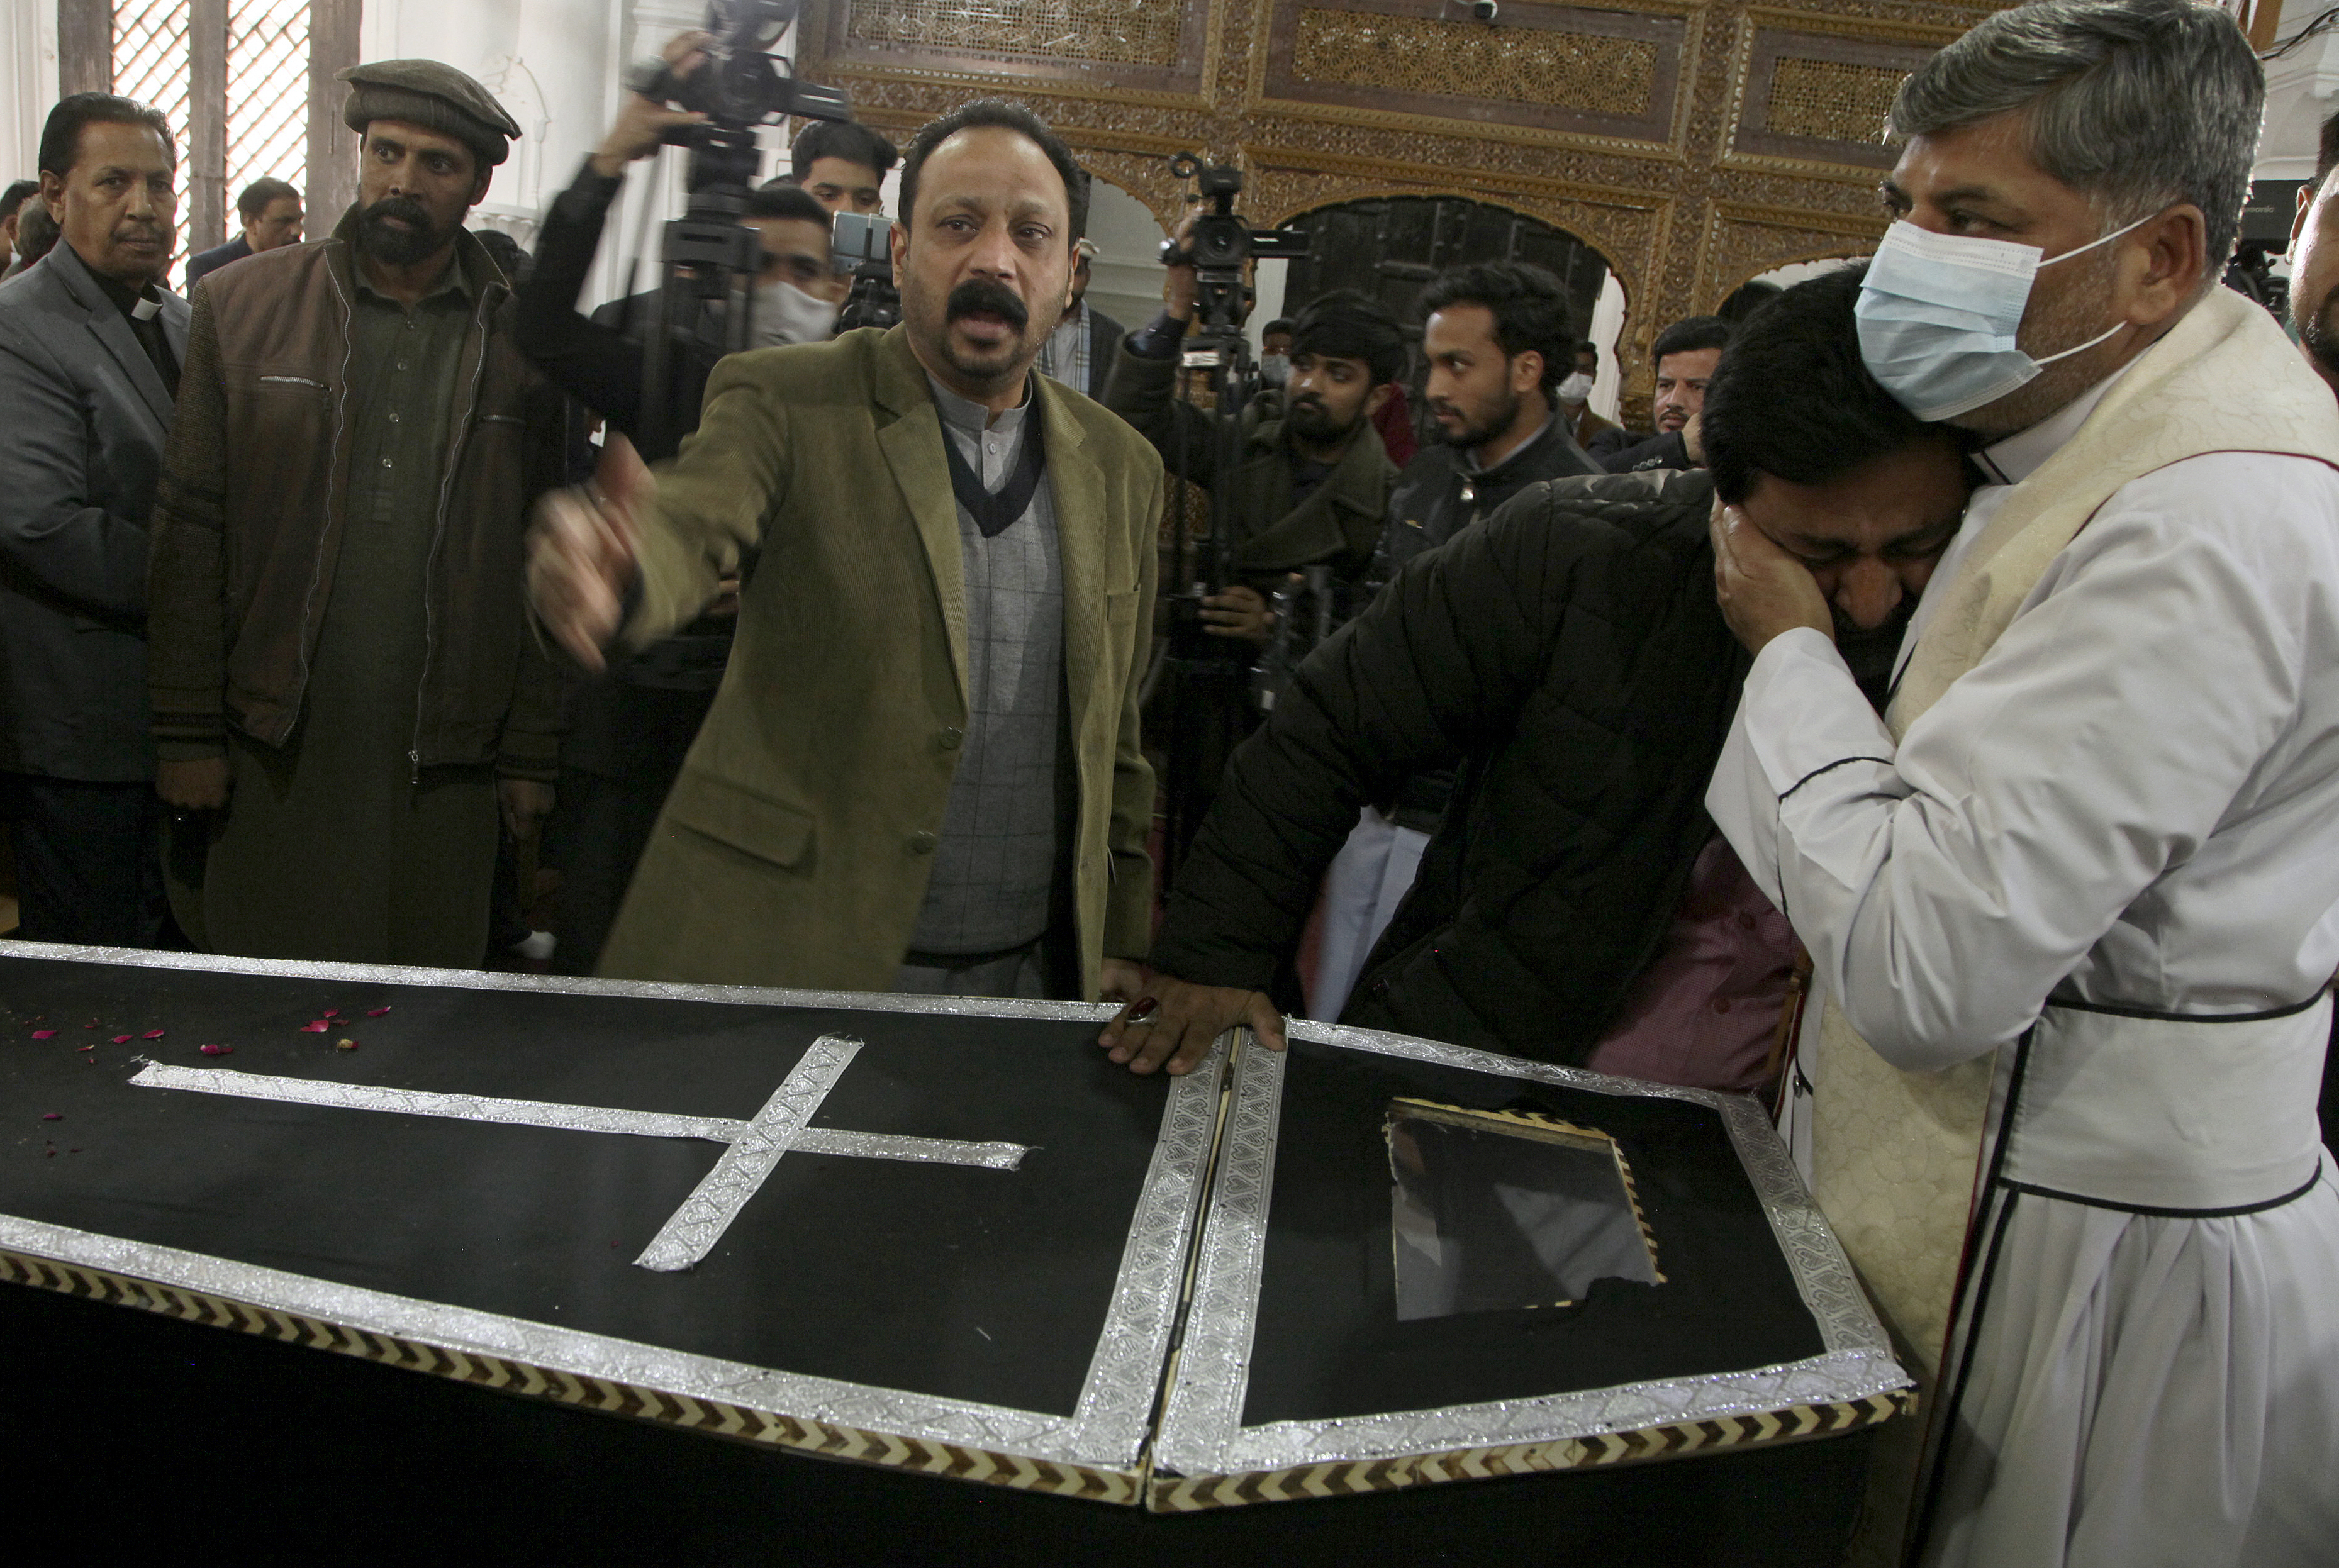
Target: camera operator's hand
[
  {"x": 580, "y": 553},
  {"x": 1240, "y": 612},
  {"x": 1181, "y": 293},
  {"x": 642, "y": 124},
  {"x": 1175, "y": 1020}
]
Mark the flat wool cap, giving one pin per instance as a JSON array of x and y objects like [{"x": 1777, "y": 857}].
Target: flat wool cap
[{"x": 433, "y": 95}]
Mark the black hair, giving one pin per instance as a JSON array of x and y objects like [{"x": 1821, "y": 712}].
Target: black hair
[
  {"x": 1586, "y": 346},
  {"x": 61, "y": 136},
  {"x": 785, "y": 199},
  {"x": 1346, "y": 325},
  {"x": 1690, "y": 335},
  {"x": 842, "y": 139},
  {"x": 258, "y": 195},
  {"x": 2326, "y": 153},
  {"x": 1529, "y": 306},
  {"x": 15, "y": 196},
  {"x": 1793, "y": 399},
  {"x": 1005, "y": 115},
  {"x": 1746, "y": 298},
  {"x": 1280, "y": 324}
]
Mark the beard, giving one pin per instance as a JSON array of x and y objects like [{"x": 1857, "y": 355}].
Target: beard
[
  {"x": 2064, "y": 322},
  {"x": 1871, "y": 654},
  {"x": 1484, "y": 427},
  {"x": 2320, "y": 336},
  {"x": 399, "y": 247},
  {"x": 1312, "y": 419}
]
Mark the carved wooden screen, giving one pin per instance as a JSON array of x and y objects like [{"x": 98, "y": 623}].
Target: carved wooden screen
[{"x": 1693, "y": 145}]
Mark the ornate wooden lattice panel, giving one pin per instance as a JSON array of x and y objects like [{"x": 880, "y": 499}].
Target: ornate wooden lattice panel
[
  {"x": 268, "y": 93},
  {"x": 1694, "y": 143}
]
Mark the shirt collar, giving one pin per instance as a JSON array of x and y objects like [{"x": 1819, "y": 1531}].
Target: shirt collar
[
  {"x": 1469, "y": 465},
  {"x": 973, "y": 417},
  {"x": 139, "y": 304},
  {"x": 2024, "y": 453}
]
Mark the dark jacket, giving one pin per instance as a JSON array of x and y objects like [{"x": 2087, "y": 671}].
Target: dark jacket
[
  {"x": 1570, "y": 656},
  {"x": 1339, "y": 522},
  {"x": 248, "y": 521},
  {"x": 1670, "y": 451},
  {"x": 85, "y": 414},
  {"x": 211, "y": 261},
  {"x": 598, "y": 362},
  {"x": 1607, "y": 443},
  {"x": 1428, "y": 506}
]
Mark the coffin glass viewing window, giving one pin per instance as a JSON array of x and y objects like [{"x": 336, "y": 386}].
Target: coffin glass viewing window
[{"x": 1492, "y": 1211}]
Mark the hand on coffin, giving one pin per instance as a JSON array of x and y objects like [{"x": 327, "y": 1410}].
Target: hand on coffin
[{"x": 1174, "y": 1022}]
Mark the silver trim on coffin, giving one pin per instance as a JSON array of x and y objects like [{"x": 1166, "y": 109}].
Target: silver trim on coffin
[
  {"x": 1110, "y": 1424},
  {"x": 1201, "y": 1431}
]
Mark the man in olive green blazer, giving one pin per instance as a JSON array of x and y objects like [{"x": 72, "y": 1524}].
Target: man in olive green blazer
[{"x": 797, "y": 846}]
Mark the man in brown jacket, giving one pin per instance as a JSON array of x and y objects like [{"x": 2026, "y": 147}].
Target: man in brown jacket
[
  {"x": 344, "y": 685},
  {"x": 921, "y": 771}
]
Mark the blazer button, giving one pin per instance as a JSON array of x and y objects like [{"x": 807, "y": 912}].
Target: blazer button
[
  {"x": 923, "y": 843},
  {"x": 949, "y": 737}
]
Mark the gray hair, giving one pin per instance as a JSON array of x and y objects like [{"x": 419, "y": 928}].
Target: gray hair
[{"x": 2138, "y": 104}]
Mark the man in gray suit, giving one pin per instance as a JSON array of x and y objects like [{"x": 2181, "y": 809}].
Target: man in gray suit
[{"x": 90, "y": 348}]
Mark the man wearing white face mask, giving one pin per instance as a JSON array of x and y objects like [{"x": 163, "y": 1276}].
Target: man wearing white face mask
[{"x": 2074, "y": 904}]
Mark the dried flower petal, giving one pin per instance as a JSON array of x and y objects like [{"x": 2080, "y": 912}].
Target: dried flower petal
[
  {"x": 348, "y": 1045},
  {"x": 216, "y": 1049},
  {"x": 316, "y": 1028},
  {"x": 53, "y": 1116},
  {"x": 376, "y": 1011},
  {"x": 122, "y": 1039},
  {"x": 152, "y": 1034},
  {"x": 91, "y": 1046},
  {"x": 332, "y": 1012},
  {"x": 44, "y": 1034}
]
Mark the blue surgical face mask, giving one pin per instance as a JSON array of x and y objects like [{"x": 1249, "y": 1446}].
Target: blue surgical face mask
[{"x": 1938, "y": 313}]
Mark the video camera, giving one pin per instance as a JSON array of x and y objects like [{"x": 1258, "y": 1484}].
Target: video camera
[
  {"x": 861, "y": 245},
  {"x": 1221, "y": 243},
  {"x": 709, "y": 254}
]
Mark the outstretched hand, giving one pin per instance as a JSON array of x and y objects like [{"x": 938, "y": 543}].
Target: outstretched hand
[
  {"x": 1173, "y": 1022},
  {"x": 580, "y": 553},
  {"x": 642, "y": 124},
  {"x": 1763, "y": 590}
]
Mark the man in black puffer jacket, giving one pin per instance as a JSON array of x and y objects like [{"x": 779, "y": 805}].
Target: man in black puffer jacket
[{"x": 1576, "y": 903}]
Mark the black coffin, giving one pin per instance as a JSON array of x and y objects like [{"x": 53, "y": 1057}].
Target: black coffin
[{"x": 939, "y": 1236}]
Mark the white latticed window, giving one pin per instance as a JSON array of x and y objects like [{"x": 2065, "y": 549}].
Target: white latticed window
[
  {"x": 152, "y": 64},
  {"x": 267, "y": 94},
  {"x": 232, "y": 77}
]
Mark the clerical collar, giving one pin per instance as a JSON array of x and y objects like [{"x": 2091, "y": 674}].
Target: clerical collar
[
  {"x": 138, "y": 304},
  {"x": 2024, "y": 453}
]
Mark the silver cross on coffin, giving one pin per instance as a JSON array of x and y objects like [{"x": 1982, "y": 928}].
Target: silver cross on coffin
[{"x": 691, "y": 1232}]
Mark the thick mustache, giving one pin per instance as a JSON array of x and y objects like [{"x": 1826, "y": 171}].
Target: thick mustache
[
  {"x": 405, "y": 207},
  {"x": 976, "y": 295}
]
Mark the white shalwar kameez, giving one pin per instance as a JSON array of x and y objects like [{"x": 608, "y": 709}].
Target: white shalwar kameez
[{"x": 2129, "y": 804}]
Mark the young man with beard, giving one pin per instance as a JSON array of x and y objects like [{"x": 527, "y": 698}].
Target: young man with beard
[
  {"x": 1310, "y": 486},
  {"x": 922, "y": 771},
  {"x": 1500, "y": 340},
  {"x": 2073, "y": 900},
  {"x": 344, "y": 687},
  {"x": 89, "y": 349},
  {"x": 1568, "y": 657}
]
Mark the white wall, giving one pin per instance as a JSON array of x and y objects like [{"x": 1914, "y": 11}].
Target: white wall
[{"x": 29, "y": 82}]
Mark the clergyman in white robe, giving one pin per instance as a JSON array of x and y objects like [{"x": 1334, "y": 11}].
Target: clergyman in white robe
[{"x": 2112, "y": 846}]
